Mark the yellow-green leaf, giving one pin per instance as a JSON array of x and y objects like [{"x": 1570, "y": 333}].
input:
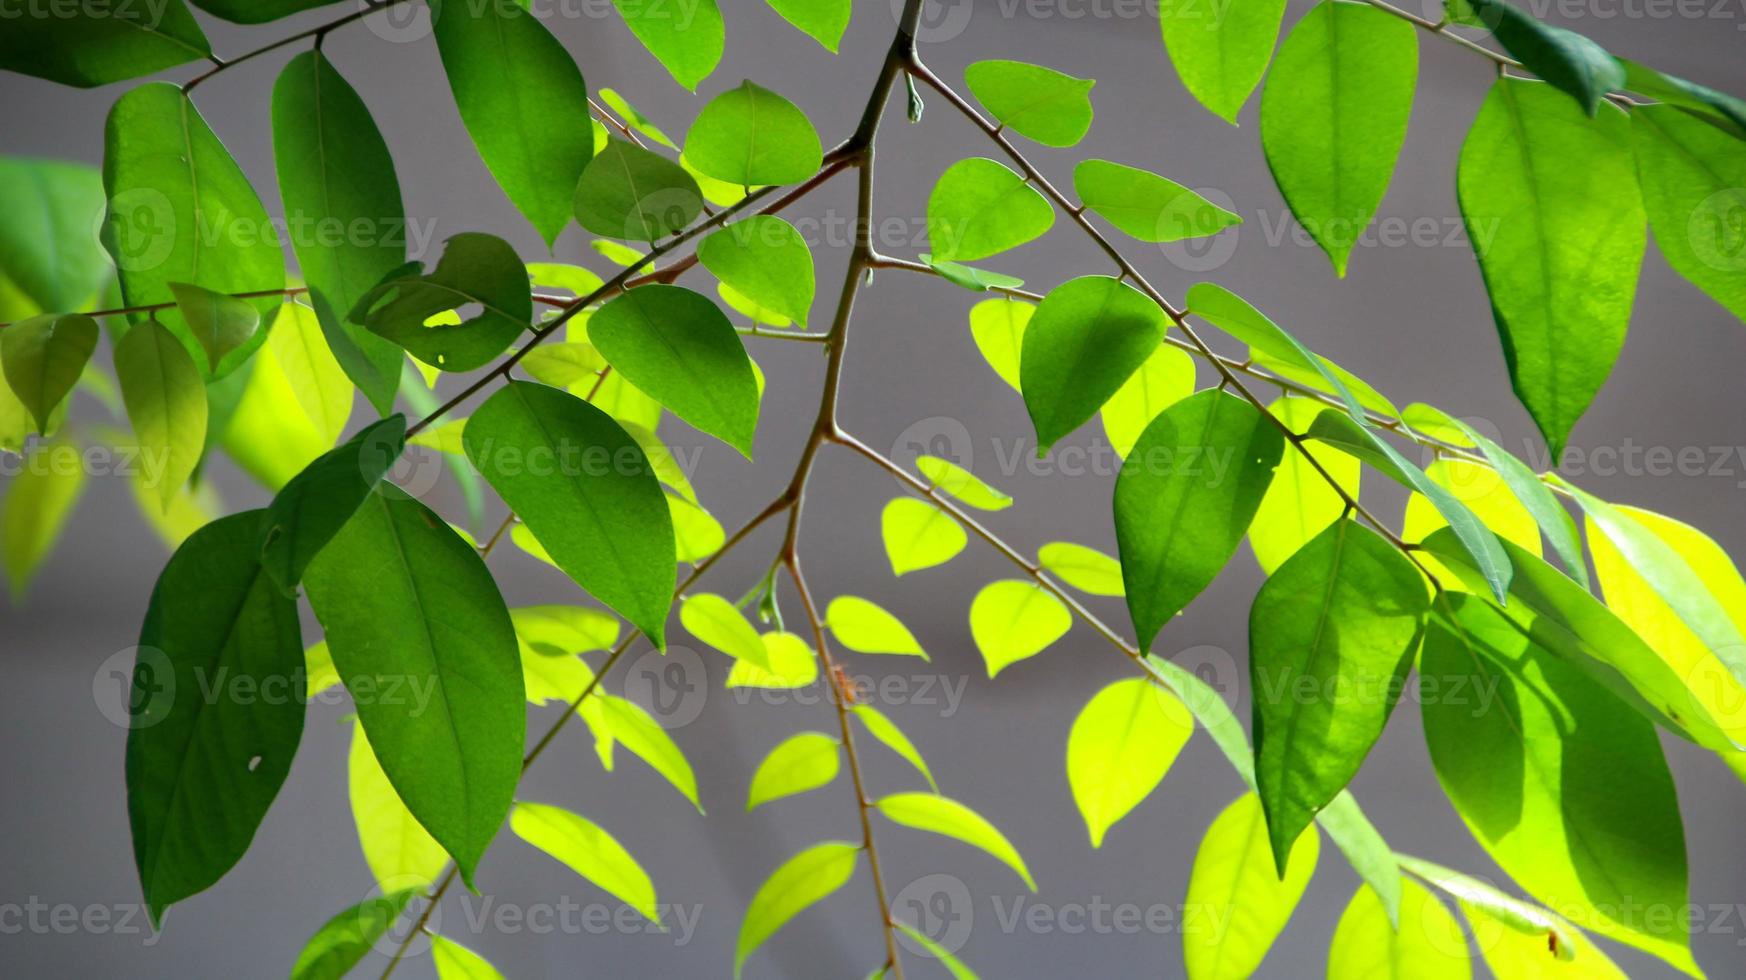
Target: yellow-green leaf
[
  {"x": 998, "y": 327},
  {"x": 866, "y": 628},
  {"x": 1300, "y": 503},
  {"x": 1014, "y": 619},
  {"x": 399, "y": 851},
  {"x": 919, "y": 535},
  {"x": 1164, "y": 379},
  {"x": 949, "y": 818},
  {"x": 589, "y": 851},
  {"x": 1233, "y": 883},
  {"x": 950, "y": 478},
  {"x": 801, "y": 881},
  {"x": 802, "y": 763},
  {"x": 1086, "y": 569},
  {"x": 644, "y": 737},
  {"x": 166, "y": 402},
  {"x": 792, "y": 664},
  {"x": 715, "y": 621},
  {"x": 456, "y": 962},
  {"x": 39, "y": 500},
  {"x": 1429, "y": 944},
  {"x": 1120, "y": 747},
  {"x": 893, "y": 738}
]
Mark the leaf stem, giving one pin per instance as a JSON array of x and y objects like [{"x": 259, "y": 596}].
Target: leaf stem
[{"x": 318, "y": 33}]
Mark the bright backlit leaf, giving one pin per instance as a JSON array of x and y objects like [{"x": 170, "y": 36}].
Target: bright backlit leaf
[
  {"x": 399, "y": 851},
  {"x": 586, "y": 849},
  {"x": 1146, "y": 206},
  {"x": 1038, "y": 103},
  {"x": 1164, "y": 379},
  {"x": 792, "y": 665},
  {"x": 1300, "y": 501},
  {"x": 949, "y": 818},
  {"x": 715, "y": 621},
  {"x": 998, "y": 326},
  {"x": 688, "y": 47},
  {"x": 888, "y": 734},
  {"x": 1015, "y": 619},
  {"x": 1121, "y": 745},
  {"x": 166, "y": 402},
  {"x": 919, "y": 535},
  {"x": 1234, "y": 883},
  {"x": 1692, "y": 176},
  {"x": 802, "y": 763},
  {"x": 750, "y": 135},
  {"x": 866, "y": 628},
  {"x": 766, "y": 260},
  {"x": 1428, "y": 945},
  {"x": 802, "y": 881},
  {"x": 1220, "y": 51},
  {"x": 456, "y": 962},
  {"x": 1086, "y": 569},
  {"x": 823, "y": 20},
  {"x": 643, "y": 737},
  {"x": 956, "y": 481}
]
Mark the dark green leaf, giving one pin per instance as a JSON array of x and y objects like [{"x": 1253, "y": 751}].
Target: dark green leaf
[
  {"x": 1569, "y": 61},
  {"x": 312, "y": 508},
  {"x": 1184, "y": 499},
  {"x": 523, "y": 101},
  {"x": 46, "y": 245},
  {"x": 1565, "y": 243},
  {"x": 217, "y": 710},
  {"x": 750, "y": 135},
  {"x": 1086, "y": 337},
  {"x": 690, "y": 46},
  {"x": 1038, "y": 103},
  {"x": 1693, "y": 178},
  {"x": 94, "y": 44},
  {"x": 628, "y": 192},
  {"x": 335, "y": 172},
  {"x": 475, "y": 269},
  {"x": 1147, "y": 206},
  {"x": 681, "y": 350},
  {"x": 980, "y": 208},
  {"x": 1333, "y": 117},
  {"x": 1234, "y": 315},
  {"x": 181, "y": 210},
  {"x": 344, "y": 940},
  {"x": 1716, "y": 108},
  {"x": 43, "y": 358},
  {"x": 1479, "y": 542},
  {"x": 586, "y": 491},
  {"x": 766, "y": 260},
  {"x": 1331, "y": 637},
  {"x": 422, "y": 639},
  {"x": 1563, "y": 786}
]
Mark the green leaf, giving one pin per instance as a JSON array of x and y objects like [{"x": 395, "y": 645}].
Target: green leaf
[
  {"x": 1146, "y": 206},
  {"x": 406, "y": 602},
  {"x": 1564, "y": 244},
  {"x": 1220, "y": 51},
  {"x": 1564, "y": 618},
  {"x": 1086, "y": 569},
  {"x": 335, "y": 172},
  {"x": 634, "y": 118},
  {"x": 399, "y": 851},
  {"x": 1692, "y": 175},
  {"x": 1716, "y": 108},
  {"x": 87, "y": 46},
  {"x": 1548, "y": 513},
  {"x": 998, "y": 326},
  {"x": 1084, "y": 341},
  {"x": 969, "y": 277},
  {"x": 950, "y": 478},
  {"x": 823, "y": 20},
  {"x": 344, "y": 940},
  {"x": 1300, "y": 502},
  {"x": 715, "y": 621},
  {"x": 947, "y": 817},
  {"x": 202, "y": 768},
  {"x": 1511, "y": 952},
  {"x": 1234, "y": 315},
  {"x": 689, "y": 47},
  {"x": 589, "y": 851},
  {"x": 181, "y": 210},
  {"x": 1480, "y": 490},
  {"x": 1038, "y": 103},
  {"x": 475, "y": 270},
  {"x": 523, "y": 101},
  {"x": 318, "y": 383},
  {"x": 456, "y": 962},
  {"x": 1481, "y": 544},
  {"x": 866, "y": 628},
  {"x": 643, "y": 737},
  {"x": 953, "y": 965},
  {"x": 1339, "y": 620},
  {"x": 628, "y": 192},
  {"x": 226, "y": 329},
  {"x": 1333, "y": 117},
  {"x": 1569, "y": 61},
  {"x": 1185, "y": 497},
  {"x": 680, "y": 348},
  {"x": 792, "y": 665},
  {"x": 888, "y": 734},
  {"x": 1015, "y": 619},
  {"x": 43, "y": 358},
  {"x": 257, "y": 11},
  {"x": 1428, "y": 946},
  {"x": 802, "y": 763},
  {"x": 166, "y": 402},
  {"x": 608, "y": 526},
  {"x": 1536, "y": 778},
  {"x": 980, "y": 208},
  {"x": 1233, "y": 882},
  {"x": 46, "y": 244},
  {"x": 919, "y": 535},
  {"x": 266, "y": 429},
  {"x": 1481, "y": 900},
  {"x": 1119, "y": 749},
  {"x": 306, "y": 514},
  {"x": 750, "y": 135},
  {"x": 1163, "y": 379},
  {"x": 802, "y": 881},
  {"x": 764, "y": 259}
]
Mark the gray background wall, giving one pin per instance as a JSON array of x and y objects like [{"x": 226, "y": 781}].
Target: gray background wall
[{"x": 1412, "y": 318}]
